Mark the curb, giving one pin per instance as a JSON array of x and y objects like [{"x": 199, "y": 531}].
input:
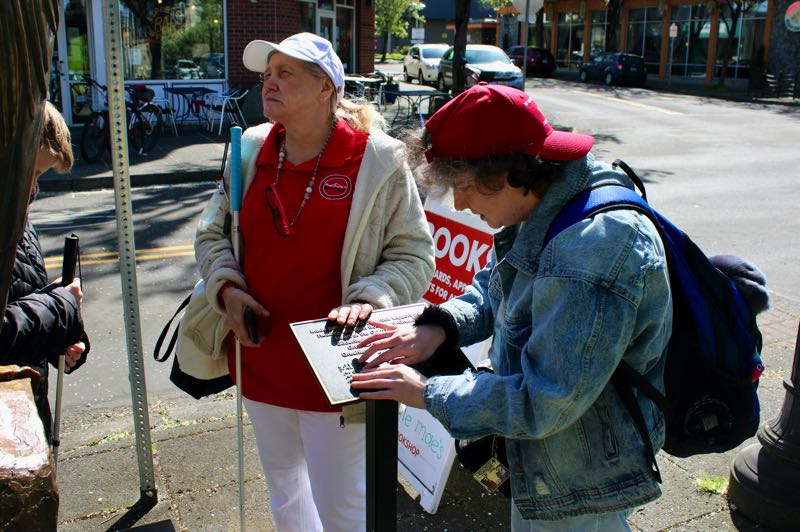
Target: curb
[{"x": 82, "y": 184}]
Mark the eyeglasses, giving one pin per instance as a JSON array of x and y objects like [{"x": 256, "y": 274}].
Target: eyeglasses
[{"x": 279, "y": 219}]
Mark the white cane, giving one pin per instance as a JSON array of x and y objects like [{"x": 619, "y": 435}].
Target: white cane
[
  {"x": 67, "y": 276},
  {"x": 236, "y": 206}
]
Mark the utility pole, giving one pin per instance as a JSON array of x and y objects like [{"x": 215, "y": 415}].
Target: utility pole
[
  {"x": 460, "y": 45},
  {"x": 525, "y": 41}
]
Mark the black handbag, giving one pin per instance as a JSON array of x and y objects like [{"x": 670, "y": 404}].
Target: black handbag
[{"x": 195, "y": 387}]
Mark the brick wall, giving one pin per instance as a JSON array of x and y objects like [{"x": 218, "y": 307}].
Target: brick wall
[
  {"x": 269, "y": 20},
  {"x": 274, "y": 20},
  {"x": 365, "y": 36}
]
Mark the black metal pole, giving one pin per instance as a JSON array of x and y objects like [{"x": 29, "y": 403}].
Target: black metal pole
[
  {"x": 765, "y": 477},
  {"x": 381, "y": 466}
]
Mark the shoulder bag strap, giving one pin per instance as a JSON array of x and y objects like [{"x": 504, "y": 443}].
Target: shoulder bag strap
[{"x": 157, "y": 352}]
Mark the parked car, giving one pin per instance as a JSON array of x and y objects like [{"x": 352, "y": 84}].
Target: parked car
[
  {"x": 422, "y": 62},
  {"x": 614, "y": 68},
  {"x": 186, "y": 69},
  {"x": 540, "y": 61},
  {"x": 214, "y": 66},
  {"x": 483, "y": 63}
]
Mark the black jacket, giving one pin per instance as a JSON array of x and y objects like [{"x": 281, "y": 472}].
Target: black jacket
[{"x": 40, "y": 320}]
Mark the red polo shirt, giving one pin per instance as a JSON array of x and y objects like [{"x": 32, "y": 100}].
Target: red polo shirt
[{"x": 298, "y": 277}]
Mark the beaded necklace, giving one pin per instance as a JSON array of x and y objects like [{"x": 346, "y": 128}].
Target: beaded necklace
[{"x": 310, "y": 185}]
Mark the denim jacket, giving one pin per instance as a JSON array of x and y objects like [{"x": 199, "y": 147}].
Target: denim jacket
[{"x": 562, "y": 318}]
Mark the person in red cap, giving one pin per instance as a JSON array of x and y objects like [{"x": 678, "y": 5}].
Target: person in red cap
[
  {"x": 332, "y": 225},
  {"x": 562, "y": 315}
]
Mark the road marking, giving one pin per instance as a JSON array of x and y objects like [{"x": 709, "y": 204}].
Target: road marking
[
  {"x": 110, "y": 257},
  {"x": 634, "y": 104}
]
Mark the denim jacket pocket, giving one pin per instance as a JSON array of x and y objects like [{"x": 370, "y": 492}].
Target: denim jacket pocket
[{"x": 609, "y": 437}]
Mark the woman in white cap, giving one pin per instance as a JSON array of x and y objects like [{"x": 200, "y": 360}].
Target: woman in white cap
[
  {"x": 331, "y": 219},
  {"x": 563, "y": 311}
]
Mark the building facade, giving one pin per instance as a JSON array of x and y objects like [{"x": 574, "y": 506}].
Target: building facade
[
  {"x": 170, "y": 43},
  {"x": 683, "y": 38}
]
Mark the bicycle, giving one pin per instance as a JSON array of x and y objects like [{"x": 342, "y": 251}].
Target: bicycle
[{"x": 144, "y": 123}]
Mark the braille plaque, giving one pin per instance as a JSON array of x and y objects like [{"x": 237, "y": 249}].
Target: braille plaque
[{"x": 332, "y": 351}]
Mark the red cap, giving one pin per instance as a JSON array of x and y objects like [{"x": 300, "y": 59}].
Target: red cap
[{"x": 492, "y": 120}]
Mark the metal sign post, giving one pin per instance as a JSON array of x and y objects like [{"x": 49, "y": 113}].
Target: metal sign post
[
  {"x": 525, "y": 42},
  {"x": 127, "y": 248},
  {"x": 673, "y": 32},
  {"x": 381, "y": 466}
]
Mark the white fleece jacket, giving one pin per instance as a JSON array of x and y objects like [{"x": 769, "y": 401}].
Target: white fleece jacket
[{"x": 387, "y": 257}]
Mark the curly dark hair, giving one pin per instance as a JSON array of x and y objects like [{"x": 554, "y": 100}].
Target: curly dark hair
[{"x": 529, "y": 172}]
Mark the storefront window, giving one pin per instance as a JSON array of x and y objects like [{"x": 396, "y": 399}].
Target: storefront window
[
  {"x": 343, "y": 44},
  {"x": 168, "y": 39},
  {"x": 597, "y": 41},
  {"x": 308, "y": 17},
  {"x": 690, "y": 47},
  {"x": 547, "y": 28},
  {"x": 569, "y": 49},
  {"x": 644, "y": 36},
  {"x": 77, "y": 62},
  {"x": 741, "y": 40}
]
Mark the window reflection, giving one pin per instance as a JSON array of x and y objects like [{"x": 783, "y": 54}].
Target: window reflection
[{"x": 169, "y": 39}]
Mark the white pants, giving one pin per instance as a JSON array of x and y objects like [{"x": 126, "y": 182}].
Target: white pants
[{"x": 315, "y": 469}]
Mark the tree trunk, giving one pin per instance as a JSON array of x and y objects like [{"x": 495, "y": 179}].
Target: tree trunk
[
  {"x": 784, "y": 45},
  {"x": 385, "y": 45},
  {"x": 727, "y": 52},
  {"x": 612, "y": 19},
  {"x": 155, "y": 58},
  {"x": 460, "y": 46},
  {"x": 540, "y": 29}
]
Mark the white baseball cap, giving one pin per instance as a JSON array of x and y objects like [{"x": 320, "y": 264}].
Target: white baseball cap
[{"x": 303, "y": 46}]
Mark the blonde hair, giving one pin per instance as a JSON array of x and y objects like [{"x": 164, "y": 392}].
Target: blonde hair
[
  {"x": 56, "y": 138},
  {"x": 362, "y": 117}
]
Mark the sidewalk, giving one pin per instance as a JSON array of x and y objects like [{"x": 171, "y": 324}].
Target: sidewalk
[
  {"x": 194, "y": 155},
  {"x": 733, "y": 90},
  {"x": 194, "y": 457}
]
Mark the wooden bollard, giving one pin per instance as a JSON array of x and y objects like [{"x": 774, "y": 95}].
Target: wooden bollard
[{"x": 28, "y": 490}]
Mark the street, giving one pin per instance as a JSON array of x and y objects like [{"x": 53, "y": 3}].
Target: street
[
  {"x": 164, "y": 225},
  {"x": 724, "y": 172}
]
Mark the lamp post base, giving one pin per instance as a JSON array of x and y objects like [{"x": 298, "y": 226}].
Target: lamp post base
[{"x": 766, "y": 488}]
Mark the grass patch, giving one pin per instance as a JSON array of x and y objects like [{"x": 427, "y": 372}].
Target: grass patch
[
  {"x": 718, "y": 485},
  {"x": 392, "y": 55}
]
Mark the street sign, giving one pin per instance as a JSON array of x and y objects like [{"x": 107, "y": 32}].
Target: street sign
[
  {"x": 673, "y": 31},
  {"x": 792, "y": 17}
]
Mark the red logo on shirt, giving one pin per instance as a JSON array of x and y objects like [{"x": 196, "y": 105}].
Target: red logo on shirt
[{"x": 335, "y": 187}]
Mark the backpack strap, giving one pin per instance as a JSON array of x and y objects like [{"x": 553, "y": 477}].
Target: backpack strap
[
  {"x": 619, "y": 163},
  {"x": 623, "y": 378},
  {"x": 595, "y": 200},
  {"x": 157, "y": 352}
]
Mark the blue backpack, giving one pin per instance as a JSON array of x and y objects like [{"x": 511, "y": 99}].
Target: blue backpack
[{"x": 713, "y": 358}]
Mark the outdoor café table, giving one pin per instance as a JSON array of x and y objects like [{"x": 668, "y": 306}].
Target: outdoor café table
[
  {"x": 363, "y": 87},
  {"x": 416, "y": 101},
  {"x": 190, "y": 102}
]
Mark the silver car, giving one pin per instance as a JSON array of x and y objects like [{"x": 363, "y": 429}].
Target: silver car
[
  {"x": 483, "y": 63},
  {"x": 422, "y": 62}
]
